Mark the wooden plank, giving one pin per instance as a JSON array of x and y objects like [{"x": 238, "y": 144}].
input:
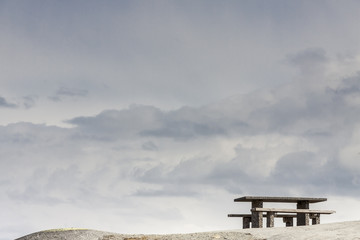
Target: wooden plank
[
  {"x": 264, "y": 215},
  {"x": 279, "y": 199},
  {"x": 291, "y": 210},
  {"x": 239, "y": 215}
]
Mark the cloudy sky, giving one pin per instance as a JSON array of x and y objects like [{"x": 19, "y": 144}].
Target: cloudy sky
[{"x": 152, "y": 116}]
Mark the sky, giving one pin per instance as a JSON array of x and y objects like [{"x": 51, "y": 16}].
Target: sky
[{"x": 152, "y": 116}]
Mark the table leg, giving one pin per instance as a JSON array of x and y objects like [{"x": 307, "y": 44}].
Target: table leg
[
  {"x": 289, "y": 221},
  {"x": 315, "y": 218},
  {"x": 256, "y": 217},
  {"x": 270, "y": 219},
  {"x": 246, "y": 222},
  {"x": 302, "y": 218}
]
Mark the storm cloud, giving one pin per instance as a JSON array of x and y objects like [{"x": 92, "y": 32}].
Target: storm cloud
[
  {"x": 266, "y": 142},
  {"x": 300, "y": 137}
]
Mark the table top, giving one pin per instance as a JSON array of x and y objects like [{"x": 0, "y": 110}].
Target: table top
[{"x": 279, "y": 199}]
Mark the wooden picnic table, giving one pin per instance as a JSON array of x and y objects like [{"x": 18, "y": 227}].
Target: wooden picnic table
[{"x": 302, "y": 210}]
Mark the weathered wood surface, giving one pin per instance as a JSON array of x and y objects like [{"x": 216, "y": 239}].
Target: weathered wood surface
[
  {"x": 315, "y": 218},
  {"x": 246, "y": 222},
  {"x": 302, "y": 212},
  {"x": 264, "y": 215},
  {"x": 279, "y": 199},
  {"x": 302, "y": 219},
  {"x": 256, "y": 216},
  {"x": 270, "y": 219},
  {"x": 282, "y": 210}
]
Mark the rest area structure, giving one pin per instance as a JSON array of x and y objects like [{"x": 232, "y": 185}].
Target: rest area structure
[{"x": 302, "y": 213}]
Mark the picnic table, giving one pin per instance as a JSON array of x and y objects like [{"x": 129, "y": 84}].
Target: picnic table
[{"x": 302, "y": 212}]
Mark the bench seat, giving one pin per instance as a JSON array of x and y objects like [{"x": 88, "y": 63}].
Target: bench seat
[
  {"x": 287, "y": 218},
  {"x": 265, "y": 215},
  {"x": 281, "y": 210},
  {"x": 287, "y": 214},
  {"x": 304, "y": 213}
]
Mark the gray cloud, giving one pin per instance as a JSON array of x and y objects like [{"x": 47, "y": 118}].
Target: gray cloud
[
  {"x": 191, "y": 177},
  {"x": 307, "y": 56},
  {"x": 147, "y": 121},
  {"x": 170, "y": 190},
  {"x": 309, "y": 61},
  {"x": 184, "y": 130},
  {"x": 297, "y": 167},
  {"x": 296, "y": 170},
  {"x": 168, "y": 55},
  {"x": 305, "y": 170},
  {"x": 267, "y": 142},
  {"x": 4, "y": 103},
  {"x": 149, "y": 146},
  {"x": 323, "y": 118},
  {"x": 29, "y": 101},
  {"x": 114, "y": 124},
  {"x": 71, "y": 92},
  {"x": 24, "y": 102},
  {"x": 65, "y": 92},
  {"x": 211, "y": 58},
  {"x": 291, "y": 110},
  {"x": 349, "y": 86},
  {"x": 32, "y": 195}
]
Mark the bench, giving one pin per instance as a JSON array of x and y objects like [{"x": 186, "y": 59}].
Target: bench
[
  {"x": 314, "y": 215},
  {"x": 287, "y": 218},
  {"x": 302, "y": 212}
]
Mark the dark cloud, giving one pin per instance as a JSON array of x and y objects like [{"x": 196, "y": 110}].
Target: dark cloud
[
  {"x": 149, "y": 121},
  {"x": 184, "y": 130},
  {"x": 303, "y": 171},
  {"x": 310, "y": 55},
  {"x": 24, "y": 102},
  {"x": 309, "y": 61},
  {"x": 114, "y": 124},
  {"x": 298, "y": 167},
  {"x": 349, "y": 86},
  {"x": 271, "y": 142},
  {"x": 4, "y": 103},
  {"x": 306, "y": 170},
  {"x": 323, "y": 118}
]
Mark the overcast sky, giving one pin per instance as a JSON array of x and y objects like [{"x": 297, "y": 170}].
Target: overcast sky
[{"x": 152, "y": 116}]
